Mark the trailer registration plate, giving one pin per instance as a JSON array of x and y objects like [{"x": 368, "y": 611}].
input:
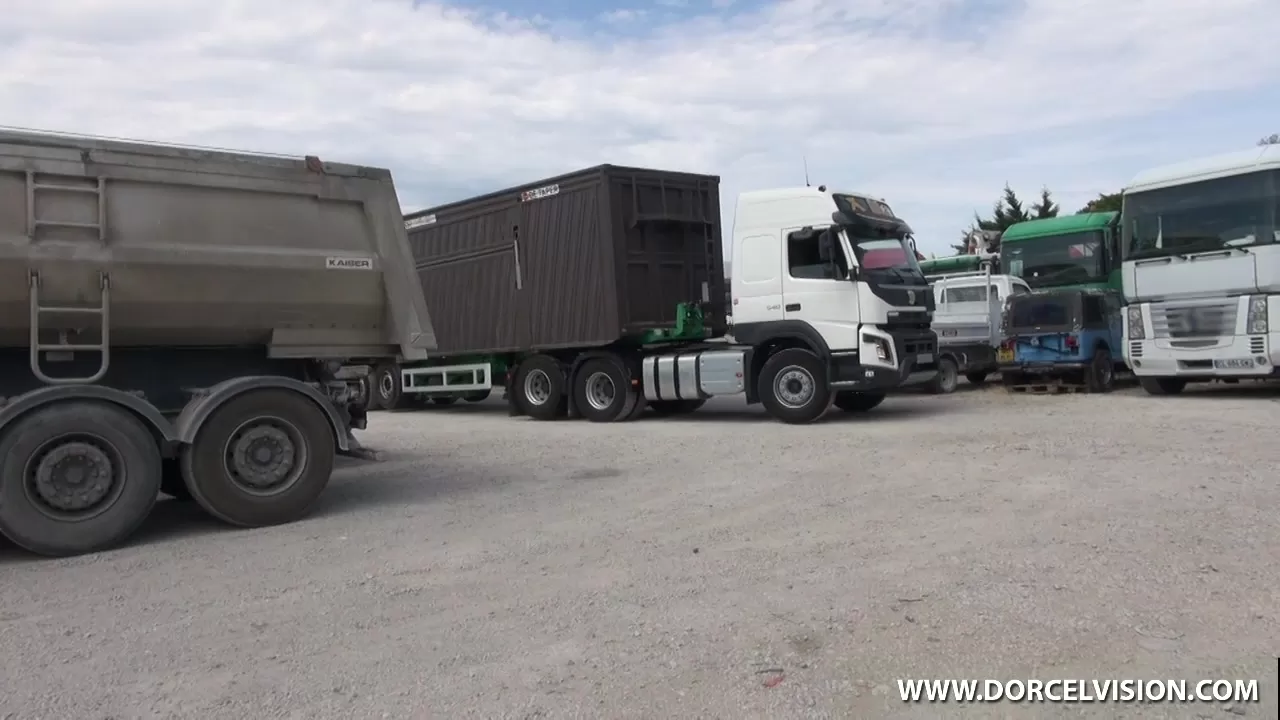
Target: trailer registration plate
[{"x": 1234, "y": 364}]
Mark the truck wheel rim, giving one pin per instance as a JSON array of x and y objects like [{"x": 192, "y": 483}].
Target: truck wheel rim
[
  {"x": 386, "y": 385},
  {"x": 537, "y": 387},
  {"x": 1104, "y": 374},
  {"x": 265, "y": 456},
  {"x": 74, "y": 477},
  {"x": 794, "y": 387},
  {"x": 601, "y": 392},
  {"x": 949, "y": 377}
]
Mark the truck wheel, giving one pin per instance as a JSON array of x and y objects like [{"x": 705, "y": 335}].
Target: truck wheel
[
  {"x": 948, "y": 377},
  {"x": 1162, "y": 385},
  {"x": 261, "y": 459},
  {"x": 477, "y": 396},
  {"x": 850, "y": 401},
  {"x": 539, "y": 388},
  {"x": 445, "y": 399},
  {"x": 977, "y": 378},
  {"x": 676, "y": 407},
  {"x": 1101, "y": 375},
  {"x": 387, "y": 387},
  {"x": 793, "y": 386},
  {"x": 171, "y": 482},
  {"x": 76, "y": 477},
  {"x": 603, "y": 392}
]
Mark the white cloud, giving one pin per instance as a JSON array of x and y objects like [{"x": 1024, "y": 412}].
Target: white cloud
[{"x": 874, "y": 92}]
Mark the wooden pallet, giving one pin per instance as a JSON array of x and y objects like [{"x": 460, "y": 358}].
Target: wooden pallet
[{"x": 1049, "y": 388}]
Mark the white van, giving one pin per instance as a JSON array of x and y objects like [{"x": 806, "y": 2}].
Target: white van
[{"x": 967, "y": 321}]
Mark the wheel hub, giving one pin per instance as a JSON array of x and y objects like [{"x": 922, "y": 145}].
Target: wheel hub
[
  {"x": 601, "y": 391},
  {"x": 386, "y": 385},
  {"x": 537, "y": 387},
  {"x": 794, "y": 387},
  {"x": 74, "y": 476},
  {"x": 262, "y": 457}
]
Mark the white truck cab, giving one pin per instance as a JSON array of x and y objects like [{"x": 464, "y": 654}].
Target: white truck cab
[
  {"x": 837, "y": 271},
  {"x": 1201, "y": 270}
]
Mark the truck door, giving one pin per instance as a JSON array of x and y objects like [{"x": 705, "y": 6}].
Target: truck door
[{"x": 816, "y": 289}]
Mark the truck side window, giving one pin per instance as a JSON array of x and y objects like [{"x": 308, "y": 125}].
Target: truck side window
[{"x": 804, "y": 261}]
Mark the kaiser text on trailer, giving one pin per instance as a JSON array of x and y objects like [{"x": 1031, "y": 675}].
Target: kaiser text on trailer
[
  {"x": 597, "y": 294},
  {"x": 1201, "y": 275},
  {"x": 175, "y": 318}
]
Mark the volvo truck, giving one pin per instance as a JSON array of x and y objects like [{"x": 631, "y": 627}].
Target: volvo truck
[
  {"x": 601, "y": 294},
  {"x": 1201, "y": 274},
  {"x": 176, "y": 319}
]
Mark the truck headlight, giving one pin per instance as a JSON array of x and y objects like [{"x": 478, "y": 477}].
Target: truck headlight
[
  {"x": 1257, "y": 320},
  {"x": 1136, "y": 330}
]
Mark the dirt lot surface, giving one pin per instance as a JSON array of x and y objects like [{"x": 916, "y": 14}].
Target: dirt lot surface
[{"x": 720, "y": 566}]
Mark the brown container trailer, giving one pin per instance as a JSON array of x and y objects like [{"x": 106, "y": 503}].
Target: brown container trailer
[{"x": 579, "y": 260}]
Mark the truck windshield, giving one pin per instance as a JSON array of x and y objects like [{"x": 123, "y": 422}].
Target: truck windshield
[
  {"x": 891, "y": 258},
  {"x": 1231, "y": 212},
  {"x": 1056, "y": 260}
]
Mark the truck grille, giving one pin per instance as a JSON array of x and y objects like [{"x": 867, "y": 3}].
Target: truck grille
[
  {"x": 1135, "y": 349},
  {"x": 1194, "y": 320}
]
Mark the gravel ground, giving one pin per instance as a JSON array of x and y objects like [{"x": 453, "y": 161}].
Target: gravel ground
[{"x": 498, "y": 567}]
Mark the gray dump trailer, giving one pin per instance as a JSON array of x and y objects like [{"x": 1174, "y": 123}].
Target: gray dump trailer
[{"x": 178, "y": 319}]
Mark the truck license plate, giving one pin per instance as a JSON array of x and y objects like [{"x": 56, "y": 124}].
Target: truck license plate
[
  {"x": 1004, "y": 356},
  {"x": 1234, "y": 363},
  {"x": 924, "y": 358}
]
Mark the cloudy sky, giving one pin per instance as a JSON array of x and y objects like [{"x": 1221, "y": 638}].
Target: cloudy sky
[{"x": 932, "y": 104}]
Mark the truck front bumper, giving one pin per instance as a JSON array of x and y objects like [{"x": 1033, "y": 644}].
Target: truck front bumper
[
  {"x": 1229, "y": 356},
  {"x": 887, "y": 359}
]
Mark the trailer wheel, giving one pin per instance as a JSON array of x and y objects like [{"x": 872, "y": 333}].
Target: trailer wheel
[
  {"x": 1100, "y": 376},
  {"x": 850, "y": 401},
  {"x": 603, "y": 392},
  {"x": 676, "y": 407},
  {"x": 793, "y": 386},
  {"x": 539, "y": 388},
  {"x": 477, "y": 396},
  {"x": 1162, "y": 385},
  {"x": 261, "y": 459},
  {"x": 76, "y": 477},
  {"x": 948, "y": 377},
  {"x": 977, "y": 378},
  {"x": 388, "y": 390}
]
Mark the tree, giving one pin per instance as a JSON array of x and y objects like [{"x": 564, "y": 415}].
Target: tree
[
  {"x": 1009, "y": 211},
  {"x": 1272, "y": 139},
  {"x": 1105, "y": 202}
]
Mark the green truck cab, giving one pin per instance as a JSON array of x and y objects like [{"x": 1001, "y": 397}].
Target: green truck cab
[{"x": 1073, "y": 251}]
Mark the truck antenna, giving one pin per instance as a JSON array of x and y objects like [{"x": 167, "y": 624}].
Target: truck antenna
[{"x": 805, "y": 160}]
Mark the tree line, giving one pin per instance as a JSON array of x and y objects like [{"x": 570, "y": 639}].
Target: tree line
[{"x": 1010, "y": 210}]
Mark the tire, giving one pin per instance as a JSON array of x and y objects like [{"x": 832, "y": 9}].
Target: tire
[
  {"x": 94, "y": 435},
  {"x": 539, "y": 389},
  {"x": 477, "y": 396},
  {"x": 278, "y": 416},
  {"x": 977, "y": 378},
  {"x": 676, "y": 407},
  {"x": 602, "y": 391},
  {"x": 171, "y": 482},
  {"x": 387, "y": 387},
  {"x": 1162, "y": 385},
  {"x": 445, "y": 399},
  {"x": 947, "y": 379},
  {"x": 1100, "y": 377},
  {"x": 363, "y": 396},
  {"x": 850, "y": 401},
  {"x": 793, "y": 386}
]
